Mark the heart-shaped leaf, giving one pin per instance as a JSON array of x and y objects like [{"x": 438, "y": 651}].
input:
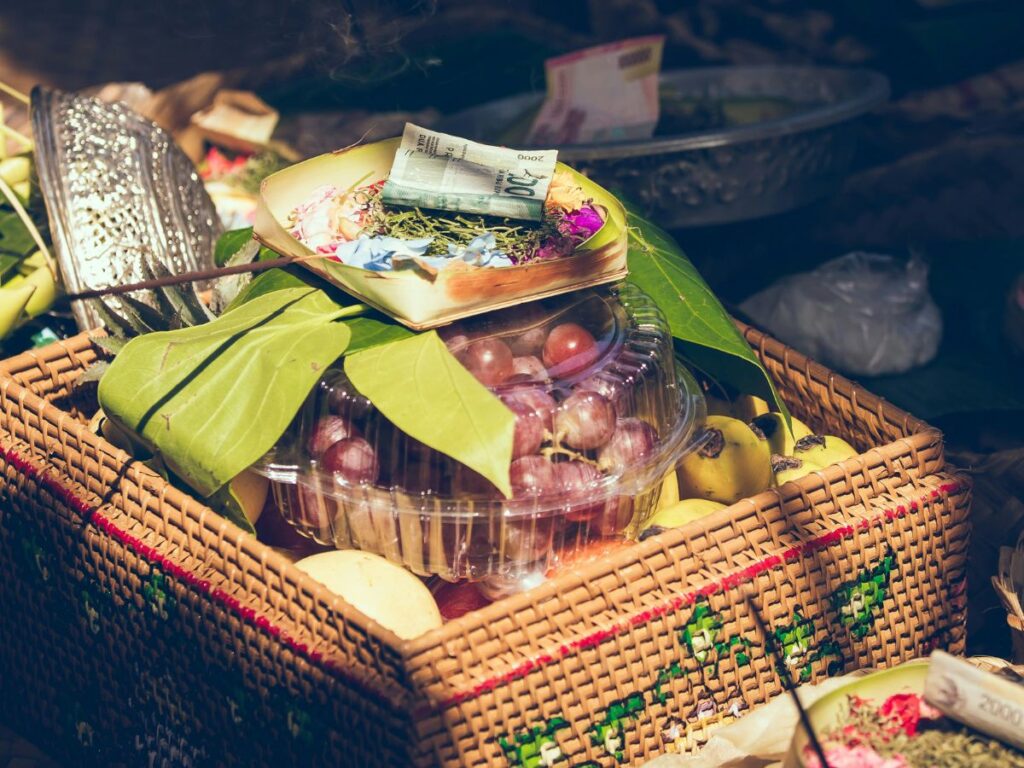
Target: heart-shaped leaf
[
  {"x": 420, "y": 386},
  {"x": 211, "y": 400},
  {"x": 705, "y": 333}
]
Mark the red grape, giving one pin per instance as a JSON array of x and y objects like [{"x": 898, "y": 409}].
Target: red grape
[
  {"x": 532, "y": 476},
  {"x": 353, "y": 460},
  {"x": 576, "y": 479},
  {"x": 454, "y": 337},
  {"x": 457, "y": 599},
  {"x": 315, "y": 511},
  {"x": 326, "y": 432},
  {"x": 569, "y": 349},
  {"x": 529, "y": 431},
  {"x": 490, "y": 360},
  {"x": 633, "y": 440},
  {"x": 466, "y": 482},
  {"x": 527, "y": 537},
  {"x": 612, "y": 390},
  {"x": 585, "y": 420},
  {"x": 540, "y": 401},
  {"x": 343, "y": 402},
  {"x": 530, "y": 341},
  {"x": 275, "y": 530},
  {"x": 530, "y": 366}
]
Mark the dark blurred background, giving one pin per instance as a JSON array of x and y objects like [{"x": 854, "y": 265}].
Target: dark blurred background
[{"x": 939, "y": 170}]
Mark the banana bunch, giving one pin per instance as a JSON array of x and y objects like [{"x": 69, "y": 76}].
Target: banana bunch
[
  {"x": 740, "y": 459},
  {"x": 27, "y": 287}
]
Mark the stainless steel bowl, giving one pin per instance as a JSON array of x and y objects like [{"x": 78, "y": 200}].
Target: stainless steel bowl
[{"x": 723, "y": 174}]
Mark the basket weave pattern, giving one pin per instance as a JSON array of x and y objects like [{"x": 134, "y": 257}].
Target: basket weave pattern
[{"x": 140, "y": 622}]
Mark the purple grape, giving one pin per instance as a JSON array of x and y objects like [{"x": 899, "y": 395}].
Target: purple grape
[
  {"x": 530, "y": 341},
  {"x": 315, "y": 510},
  {"x": 537, "y": 399},
  {"x": 529, "y": 366},
  {"x": 575, "y": 480},
  {"x": 633, "y": 441},
  {"x": 529, "y": 430},
  {"x": 466, "y": 482},
  {"x": 569, "y": 349},
  {"x": 609, "y": 389},
  {"x": 532, "y": 476},
  {"x": 328, "y": 431},
  {"x": 585, "y": 420},
  {"x": 353, "y": 460},
  {"x": 489, "y": 360}
]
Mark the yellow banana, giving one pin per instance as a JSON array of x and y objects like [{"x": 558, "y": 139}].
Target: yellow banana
[
  {"x": 13, "y": 300},
  {"x": 717, "y": 406},
  {"x": 15, "y": 170},
  {"x": 823, "y": 449},
  {"x": 23, "y": 190},
  {"x": 114, "y": 434},
  {"x": 780, "y": 439},
  {"x": 669, "y": 490},
  {"x": 46, "y": 291},
  {"x": 787, "y": 468},
  {"x": 250, "y": 491},
  {"x": 31, "y": 263},
  {"x": 748, "y": 407},
  {"x": 680, "y": 513},
  {"x": 731, "y": 464}
]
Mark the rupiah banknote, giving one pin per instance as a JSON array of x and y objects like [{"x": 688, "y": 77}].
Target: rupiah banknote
[
  {"x": 435, "y": 170},
  {"x": 601, "y": 94}
]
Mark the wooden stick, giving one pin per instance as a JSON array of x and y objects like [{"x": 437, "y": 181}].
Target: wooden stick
[
  {"x": 780, "y": 664},
  {"x": 182, "y": 278}
]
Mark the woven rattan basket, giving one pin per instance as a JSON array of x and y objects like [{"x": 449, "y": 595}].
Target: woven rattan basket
[{"x": 140, "y": 626}]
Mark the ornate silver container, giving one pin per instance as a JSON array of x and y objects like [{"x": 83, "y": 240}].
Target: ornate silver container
[
  {"x": 722, "y": 174},
  {"x": 124, "y": 202}
]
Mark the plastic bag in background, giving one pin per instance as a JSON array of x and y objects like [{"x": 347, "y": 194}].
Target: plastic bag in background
[
  {"x": 863, "y": 313},
  {"x": 1013, "y": 316}
]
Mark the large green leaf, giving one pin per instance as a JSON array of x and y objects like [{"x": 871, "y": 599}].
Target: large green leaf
[
  {"x": 372, "y": 330},
  {"x": 14, "y": 235},
  {"x": 420, "y": 386},
  {"x": 268, "y": 282},
  {"x": 211, "y": 400},
  {"x": 704, "y": 332}
]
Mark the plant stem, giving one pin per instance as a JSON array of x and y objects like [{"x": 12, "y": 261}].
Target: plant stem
[{"x": 353, "y": 311}]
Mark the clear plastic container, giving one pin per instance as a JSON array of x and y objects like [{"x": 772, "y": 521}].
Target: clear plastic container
[{"x": 603, "y": 411}]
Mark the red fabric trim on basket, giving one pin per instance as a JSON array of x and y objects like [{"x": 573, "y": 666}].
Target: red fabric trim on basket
[
  {"x": 94, "y": 516},
  {"x": 724, "y": 584}
]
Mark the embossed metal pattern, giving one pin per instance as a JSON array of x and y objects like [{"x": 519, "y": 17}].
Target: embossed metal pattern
[
  {"x": 724, "y": 174},
  {"x": 122, "y": 198}
]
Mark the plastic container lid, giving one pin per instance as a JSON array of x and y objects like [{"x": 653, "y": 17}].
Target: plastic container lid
[{"x": 603, "y": 412}]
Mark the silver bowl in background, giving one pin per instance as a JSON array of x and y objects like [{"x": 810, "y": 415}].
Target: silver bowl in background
[{"x": 726, "y": 174}]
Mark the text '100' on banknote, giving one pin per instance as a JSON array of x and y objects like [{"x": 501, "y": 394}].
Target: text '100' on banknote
[{"x": 435, "y": 170}]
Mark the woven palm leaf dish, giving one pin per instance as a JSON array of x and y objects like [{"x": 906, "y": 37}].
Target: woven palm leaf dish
[{"x": 295, "y": 210}]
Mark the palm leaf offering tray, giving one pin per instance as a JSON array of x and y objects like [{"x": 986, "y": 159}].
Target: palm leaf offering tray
[
  {"x": 940, "y": 712},
  {"x": 428, "y": 269}
]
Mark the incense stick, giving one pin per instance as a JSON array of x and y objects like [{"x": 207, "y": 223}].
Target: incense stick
[
  {"x": 182, "y": 278},
  {"x": 780, "y": 664}
]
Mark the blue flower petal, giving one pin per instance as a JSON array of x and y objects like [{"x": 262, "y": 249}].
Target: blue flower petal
[
  {"x": 481, "y": 251},
  {"x": 378, "y": 253}
]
